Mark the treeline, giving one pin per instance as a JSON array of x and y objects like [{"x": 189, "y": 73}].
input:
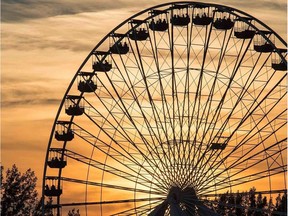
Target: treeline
[
  {"x": 18, "y": 193},
  {"x": 251, "y": 203},
  {"x": 19, "y": 197}
]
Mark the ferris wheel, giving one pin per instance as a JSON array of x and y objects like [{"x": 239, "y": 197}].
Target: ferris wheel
[{"x": 178, "y": 104}]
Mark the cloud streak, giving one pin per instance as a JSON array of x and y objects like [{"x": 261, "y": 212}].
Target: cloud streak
[
  {"x": 78, "y": 26},
  {"x": 20, "y": 10},
  {"x": 23, "y": 92},
  {"x": 32, "y": 35},
  {"x": 77, "y": 33}
]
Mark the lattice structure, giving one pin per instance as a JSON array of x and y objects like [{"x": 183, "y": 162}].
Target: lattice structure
[{"x": 182, "y": 102}]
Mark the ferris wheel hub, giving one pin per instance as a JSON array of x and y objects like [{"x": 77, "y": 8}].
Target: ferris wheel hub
[{"x": 178, "y": 195}]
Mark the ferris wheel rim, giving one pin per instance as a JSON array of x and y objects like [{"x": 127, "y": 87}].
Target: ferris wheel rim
[{"x": 105, "y": 38}]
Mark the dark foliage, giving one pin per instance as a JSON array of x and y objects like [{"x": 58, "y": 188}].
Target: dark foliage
[
  {"x": 19, "y": 195},
  {"x": 250, "y": 203}
]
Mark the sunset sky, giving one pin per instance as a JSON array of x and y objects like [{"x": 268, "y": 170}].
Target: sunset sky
[{"x": 44, "y": 43}]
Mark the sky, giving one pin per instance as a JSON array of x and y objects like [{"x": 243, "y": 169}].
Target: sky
[{"x": 42, "y": 45}]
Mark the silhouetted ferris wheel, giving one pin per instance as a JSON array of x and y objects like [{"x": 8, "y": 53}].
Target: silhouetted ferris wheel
[{"x": 176, "y": 105}]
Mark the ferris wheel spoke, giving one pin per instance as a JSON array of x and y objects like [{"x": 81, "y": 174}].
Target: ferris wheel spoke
[
  {"x": 238, "y": 62},
  {"x": 180, "y": 83},
  {"x": 196, "y": 106},
  {"x": 164, "y": 101},
  {"x": 172, "y": 90},
  {"x": 213, "y": 195},
  {"x": 238, "y": 100},
  {"x": 186, "y": 99},
  {"x": 205, "y": 114},
  {"x": 134, "y": 93},
  {"x": 266, "y": 97},
  {"x": 123, "y": 133},
  {"x": 279, "y": 123},
  {"x": 229, "y": 116},
  {"x": 245, "y": 179},
  {"x": 235, "y": 106},
  {"x": 207, "y": 105},
  {"x": 220, "y": 105},
  {"x": 116, "y": 154},
  {"x": 110, "y": 186},
  {"x": 186, "y": 115},
  {"x": 90, "y": 138},
  {"x": 179, "y": 73},
  {"x": 263, "y": 154},
  {"x": 94, "y": 112},
  {"x": 141, "y": 209},
  {"x": 155, "y": 117},
  {"x": 277, "y": 118},
  {"x": 132, "y": 177},
  {"x": 244, "y": 158},
  {"x": 212, "y": 124},
  {"x": 153, "y": 105},
  {"x": 148, "y": 147},
  {"x": 245, "y": 166},
  {"x": 108, "y": 202},
  {"x": 200, "y": 175},
  {"x": 264, "y": 116}
]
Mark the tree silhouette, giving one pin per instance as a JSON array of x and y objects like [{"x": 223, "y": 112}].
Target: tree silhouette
[
  {"x": 239, "y": 204},
  {"x": 231, "y": 204},
  {"x": 222, "y": 204},
  {"x": 1, "y": 187},
  {"x": 261, "y": 204},
  {"x": 19, "y": 196},
  {"x": 252, "y": 201},
  {"x": 47, "y": 211},
  {"x": 281, "y": 204}
]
